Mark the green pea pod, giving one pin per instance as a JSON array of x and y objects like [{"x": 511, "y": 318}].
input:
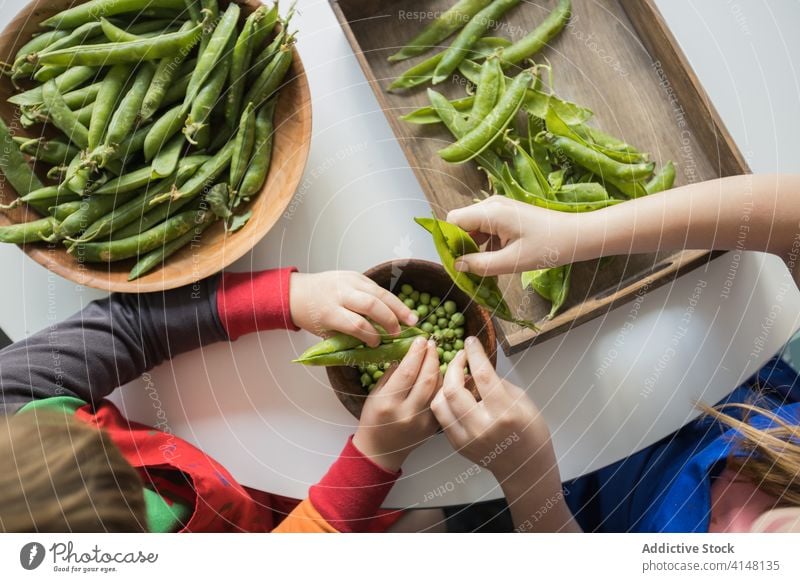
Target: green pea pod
[
  {"x": 205, "y": 175},
  {"x": 13, "y": 165},
  {"x": 197, "y": 129},
  {"x": 91, "y": 11},
  {"x": 488, "y": 92},
  {"x": 259, "y": 164},
  {"x": 243, "y": 146},
  {"x": 663, "y": 180},
  {"x": 452, "y": 242},
  {"x": 447, "y": 24},
  {"x": 78, "y": 98},
  {"x": 135, "y": 51},
  {"x": 212, "y": 53},
  {"x": 117, "y": 34},
  {"x": 76, "y": 37},
  {"x": 63, "y": 117},
  {"x": 427, "y": 115},
  {"x": 272, "y": 77},
  {"x": 580, "y": 193},
  {"x": 600, "y": 138},
  {"x": 515, "y": 191},
  {"x": 534, "y": 42},
  {"x": 28, "y": 232},
  {"x": 342, "y": 342},
  {"x": 126, "y": 183},
  {"x": 107, "y": 99},
  {"x": 422, "y": 73},
  {"x": 166, "y": 161},
  {"x": 27, "y": 52},
  {"x": 64, "y": 210},
  {"x": 531, "y": 174},
  {"x": 551, "y": 284},
  {"x": 118, "y": 250},
  {"x": 164, "y": 77},
  {"x": 34, "y": 197},
  {"x": 492, "y": 126},
  {"x": 49, "y": 151},
  {"x": 240, "y": 61},
  {"x": 468, "y": 36},
  {"x": 162, "y": 130},
  {"x": 92, "y": 209},
  {"x": 626, "y": 177},
  {"x": 362, "y": 356},
  {"x": 157, "y": 257},
  {"x": 126, "y": 115},
  {"x": 65, "y": 82}
]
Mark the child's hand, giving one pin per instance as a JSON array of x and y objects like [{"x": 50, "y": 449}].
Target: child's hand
[
  {"x": 397, "y": 417},
  {"x": 344, "y": 301},
  {"x": 523, "y": 237},
  {"x": 504, "y": 431}
]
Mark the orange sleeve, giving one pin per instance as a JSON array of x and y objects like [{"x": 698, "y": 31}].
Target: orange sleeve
[{"x": 305, "y": 519}]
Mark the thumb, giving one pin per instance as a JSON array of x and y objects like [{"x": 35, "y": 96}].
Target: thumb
[{"x": 488, "y": 264}]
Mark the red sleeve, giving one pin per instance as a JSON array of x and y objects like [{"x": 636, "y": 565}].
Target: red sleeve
[
  {"x": 350, "y": 495},
  {"x": 250, "y": 302}
]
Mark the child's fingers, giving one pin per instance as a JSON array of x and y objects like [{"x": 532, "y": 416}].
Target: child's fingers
[
  {"x": 456, "y": 434},
  {"x": 459, "y": 399},
  {"x": 392, "y": 301},
  {"x": 345, "y": 321},
  {"x": 488, "y": 383},
  {"x": 373, "y": 309},
  {"x": 404, "y": 377},
  {"x": 427, "y": 381}
]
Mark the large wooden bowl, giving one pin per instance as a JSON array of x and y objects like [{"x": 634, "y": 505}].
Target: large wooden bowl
[
  {"x": 216, "y": 250},
  {"x": 428, "y": 277}
]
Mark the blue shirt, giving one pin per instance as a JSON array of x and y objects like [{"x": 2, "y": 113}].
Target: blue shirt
[{"x": 667, "y": 486}]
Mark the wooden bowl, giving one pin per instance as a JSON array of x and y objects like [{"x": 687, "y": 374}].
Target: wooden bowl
[
  {"x": 425, "y": 277},
  {"x": 216, "y": 250}
]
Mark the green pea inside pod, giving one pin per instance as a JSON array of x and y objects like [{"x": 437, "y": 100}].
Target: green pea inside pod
[
  {"x": 551, "y": 284},
  {"x": 452, "y": 242}
]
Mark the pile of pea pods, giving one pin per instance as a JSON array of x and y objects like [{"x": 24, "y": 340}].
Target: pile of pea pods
[
  {"x": 164, "y": 115},
  {"x": 439, "y": 319},
  {"x": 533, "y": 146}
]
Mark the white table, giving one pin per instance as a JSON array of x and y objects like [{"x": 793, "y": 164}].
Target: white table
[{"x": 607, "y": 388}]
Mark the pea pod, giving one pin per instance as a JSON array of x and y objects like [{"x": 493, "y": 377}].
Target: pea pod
[
  {"x": 64, "y": 210},
  {"x": 490, "y": 87},
  {"x": 165, "y": 74},
  {"x": 240, "y": 61},
  {"x": 444, "y": 26},
  {"x": 162, "y": 130},
  {"x": 343, "y": 342},
  {"x": 626, "y": 177},
  {"x": 65, "y": 82},
  {"x": 197, "y": 130},
  {"x": 76, "y": 37},
  {"x": 206, "y": 174},
  {"x": 272, "y": 77},
  {"x": 134, "y": 51},
  {"x": 583, "y": 192},
  {"x": 422, "y": 73},
  {"x": 534, "y": 42},
  {"x": 452, "y": 242},
  {"x": 63, "y": 117},
  {"x": 492, "y": 126},
  {"x": 158, "y": 256},
  {"x": 78, "y": 98},
  {"x": 243, "y": 146},
  {"x": 468, "y": 36},
  {"x": 551, "y": 284},
  {"x": 259, "y": 163},
  {"x": 126, "y": 183},
  {"x": 92, "y": 209},
  {"x": 13, "y": 165},
  {"x": 166, "y": 161},
  {"x": 362, "y": 356},
  {"x": 427, "y": 115},
  {"x": 91, "y": 11},
  {"x": 118, "y": 250},
  {"x": 107, "y": 98},
  {"x": 27, "y": 232},
  {"x": 126, "y": 115},
  {"x": 515, "y": 191},
  {"x": 212, "y": 53},
  {"x": 663, "y": 180},
  {"x": 26, "y": 55},
  {"x": 49, "y": 151}
]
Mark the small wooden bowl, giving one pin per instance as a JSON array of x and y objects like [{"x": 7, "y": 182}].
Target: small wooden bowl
[
  {"x": 216, "y": 250},
  {"x": 426, "y": 277}
]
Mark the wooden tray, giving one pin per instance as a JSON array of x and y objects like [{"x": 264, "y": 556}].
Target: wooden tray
[{"x": 616, "y": 57}]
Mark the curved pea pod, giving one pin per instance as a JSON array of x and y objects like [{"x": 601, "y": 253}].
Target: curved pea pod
[
  {"x": 258, "y": 166},
  {"x": 27, "y": 232},
  {"x": 26, "y": 55},
  {"x": 63, "y": 117},
  {"x": 65, "y": 82},
  {"x": 212, "y": 53},
  {"x": 515, "y": 191},
  {"x": 272, "y": 77},
  {"x": 534, "y": 42},
  {"x": 127, "y": 182},
  {"x": 64, "y": 210},
  {"x": 118, "y": 250},
  {"x": 83, "y": 96},
  {"x": 551, "y": 284},
  {"x": 197, "y": 129},
  {"x": 422, "y": 73},
  {"x": 91, "y": 11},
  {"x": 452, "y": 242},
  {"x": 34, "y": 198},
  {"x": 157, "y": 257},
  {"x": 49, "y": 151},
  {"x": 362, "y": 356},
  {"x": 600, "y": 138},
  {"x": 134, "y": 51},
  {"x": 92, "y": 209},
  {"x": 342, "y": 342},
  {"x": 531, "y": 176},
  {"x": 240, "y": 62},
  {"x": 204, "y": 176},
  {"x": 166, "y": 161},
  {"x": 663, "y": 180},
  {"x": 490, "y": 87},
  {"x": 626, "y": 177},
  {"x": 162, "y": 130},
  {"x": 125, "y": 117},
  {"x": 492, "y": 126},
  {"x": 164, "y": 78},
  {"x": 243, "y": 146},
  {"x": 13, "y": 165}
]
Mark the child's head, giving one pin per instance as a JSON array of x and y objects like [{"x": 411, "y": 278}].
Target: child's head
[{"x": 59, "y": 475}]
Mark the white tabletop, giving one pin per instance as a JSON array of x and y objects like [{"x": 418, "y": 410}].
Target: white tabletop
[{"x": 607, "y": 388}]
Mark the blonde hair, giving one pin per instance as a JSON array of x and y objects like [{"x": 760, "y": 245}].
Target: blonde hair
[
  {"x": 768, "y": 458},
  {"x": 60, "y": 475}
]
